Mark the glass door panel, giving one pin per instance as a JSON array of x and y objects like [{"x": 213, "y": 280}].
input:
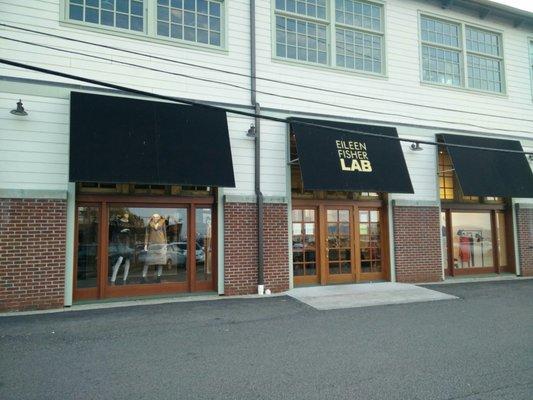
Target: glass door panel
[
  {"x": 147, "y": 245},
  {"x": 204, "y": 245},
  {"x": 88, "y": 247},
  {"x": 339, "y": 242},
  {"x": 472, "y": 240},
  {"x": 370, "y": 240},
  {"x": 304, "y": 242}
]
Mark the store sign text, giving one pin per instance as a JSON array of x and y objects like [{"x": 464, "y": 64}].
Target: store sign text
[{"x": 353, "y": 156}]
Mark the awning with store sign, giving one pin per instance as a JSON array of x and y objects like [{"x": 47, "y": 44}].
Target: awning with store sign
[
  {"x": 331, "y": 158},
  {"x": 490, "y": 173},
  {"x": 123, "y": 140}
]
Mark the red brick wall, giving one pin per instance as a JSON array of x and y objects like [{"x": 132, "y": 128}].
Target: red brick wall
[
  {"x": 525, "y": 240},
  {"x": 240, "y": 248},
  {"x": 417, "y": 244},
  {"x": 32, "y": 253}
]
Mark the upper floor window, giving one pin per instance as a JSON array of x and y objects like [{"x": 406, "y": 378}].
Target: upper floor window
[
  {"x": 351, "y": 38},
  {"x": 449, "y": 46},
  {"x": 124, "y": 14},
  {"x": 191, "y": 20},
  {"x": 197, "y": 21}
]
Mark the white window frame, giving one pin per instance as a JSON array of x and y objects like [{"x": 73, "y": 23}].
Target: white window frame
[
  {"x": 530, "y": 51},
  {"x": 331, "y": 25},
  {"x": 463, "y": 51},
  {"x": 149, "y": 32}
]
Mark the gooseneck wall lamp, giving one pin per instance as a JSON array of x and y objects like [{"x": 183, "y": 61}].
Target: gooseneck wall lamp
[
  {"x": 416, "y": 146},
  {"x": 19, "y": 110},
  {"x": 251, "y": 131}
]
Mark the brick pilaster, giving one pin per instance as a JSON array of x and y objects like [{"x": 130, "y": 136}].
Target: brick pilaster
[
  {"x": 32, "y": 253},
  {"x": 417, "y": 244},
  {"x": 240, "y": 248},
  {"x": 524, "y": 230}
]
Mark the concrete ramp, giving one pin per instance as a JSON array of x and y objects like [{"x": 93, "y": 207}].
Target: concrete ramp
[{"x": 364, "y": 295}]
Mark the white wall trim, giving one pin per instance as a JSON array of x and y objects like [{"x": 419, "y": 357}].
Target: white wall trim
[
  {"x": 69, "y": 251},
  {"x": 33, "y": 194}
]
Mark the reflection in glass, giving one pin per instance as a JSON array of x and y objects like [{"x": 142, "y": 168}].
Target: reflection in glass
[
  {"x": 87, "y": 247},
  {"x": 370, "y": 240},
  {"x": 472, "y": 240},
  {"x": 339, "y": 242},
  {"x": 147, "y": 245},
  {"x": 204, "y": 258},
  {"x": 303, "y": 242}
]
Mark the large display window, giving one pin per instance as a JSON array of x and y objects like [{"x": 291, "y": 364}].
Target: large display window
[
  {"x": 143, "y": 245},
  {"x": 476, "y": 241},
  {"x": 475, "y": 230}
]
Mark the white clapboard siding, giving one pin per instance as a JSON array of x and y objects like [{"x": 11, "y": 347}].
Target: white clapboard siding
[
  {"x": 403, "y": 78},
  {"x": 45, "y": 16},
  {"x": 34, "y": 150}
]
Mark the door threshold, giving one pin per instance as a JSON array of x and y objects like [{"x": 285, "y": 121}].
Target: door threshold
[
  {"x": 478, "y": 278},
  {"x": 164, "y": 296},
  {"x": 340, "y": 283}
]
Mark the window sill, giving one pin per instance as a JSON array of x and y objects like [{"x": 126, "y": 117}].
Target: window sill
[
  {"x": 143, "y": 37},
  {"x": 329, "y": 68},
  {"x": 464, "y": 89}
]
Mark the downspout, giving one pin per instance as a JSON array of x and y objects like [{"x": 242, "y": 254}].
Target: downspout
[{"x": 257, "y": 161}]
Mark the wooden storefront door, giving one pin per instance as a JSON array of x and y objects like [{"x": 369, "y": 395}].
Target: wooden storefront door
[{"x": 338, "y": 243}]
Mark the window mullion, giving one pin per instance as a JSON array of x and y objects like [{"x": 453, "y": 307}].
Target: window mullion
[
  {"x": 304, "y": 17},
  {"x": 464, "y": 60},
  {"x": 442, "y": 46},
  {"x": 332, "y": 29},
  {"x": 358, "y": 28},
  {"x": 150, "y": 11},
  {"x": 485, "y": 55}
]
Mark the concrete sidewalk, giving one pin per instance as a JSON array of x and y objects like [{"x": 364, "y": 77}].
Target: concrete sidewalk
[{"x": 365, "y": 295}]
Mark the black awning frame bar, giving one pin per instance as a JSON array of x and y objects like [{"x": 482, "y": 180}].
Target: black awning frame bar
[
  {"x": 239, "y": 112},
  {"x": 447, "y": 170},
  {"x": 294, "y": 162}
]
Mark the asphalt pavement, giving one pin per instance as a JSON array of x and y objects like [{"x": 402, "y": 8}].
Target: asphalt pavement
[{"x": 479, "y": 346}]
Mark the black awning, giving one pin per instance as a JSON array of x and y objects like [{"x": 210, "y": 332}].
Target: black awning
[
  {"x": 122, "y": 140},
  {"x": 490, "y": 173},
  {"x": 334, "y": 160}
]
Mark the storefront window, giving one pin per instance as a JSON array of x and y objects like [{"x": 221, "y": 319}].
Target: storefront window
[
  {"x": 204, "y": 244},
  {"x": 472, "y": 240},
  {"x": 147, "y": 245},
  {"x": 339, "y": 242},
  {"x": 88, "y": 227},
  {"x": 304, "y": 242},
  {"x": 370, "y": 240}
]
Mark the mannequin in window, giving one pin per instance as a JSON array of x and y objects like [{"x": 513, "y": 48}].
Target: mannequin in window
[
  {"x": 155, "y": 246},
  {"x": 122, "y": 239},
  {"x": 464, "y": 248}
]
